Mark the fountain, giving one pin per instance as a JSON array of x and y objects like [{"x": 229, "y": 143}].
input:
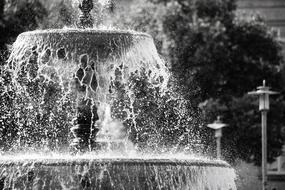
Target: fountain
[{"x": 90, "y": 70}]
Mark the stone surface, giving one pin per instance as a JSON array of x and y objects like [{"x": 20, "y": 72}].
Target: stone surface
[{"x": 117, "y": 174}]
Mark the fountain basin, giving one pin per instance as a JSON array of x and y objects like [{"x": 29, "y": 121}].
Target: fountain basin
[
  {"x": 89, "y": 69},
  {"x": 116, "y": 173},
  {"x": 67, "y": 43}
]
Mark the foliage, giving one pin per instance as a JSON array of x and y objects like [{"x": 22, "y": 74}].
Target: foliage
[
  {"x": 242, "y": 138},
  {"x": 141, "y": 18},
  {"x": 61, "y": 14},
  {"x": 17, "y": 17}
]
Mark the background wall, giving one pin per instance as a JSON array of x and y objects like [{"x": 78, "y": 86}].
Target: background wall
[{"x": 273, "y": 11}]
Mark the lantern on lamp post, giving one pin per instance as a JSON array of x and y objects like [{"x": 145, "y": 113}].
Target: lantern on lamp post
[
  {"x": 263, "y": 92},
  {"x": 217, "y": 126}
]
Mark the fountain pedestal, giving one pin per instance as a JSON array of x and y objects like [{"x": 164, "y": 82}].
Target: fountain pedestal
[
  {"x": 84, "y": 129},
  {"x": 85, "y": 18}
]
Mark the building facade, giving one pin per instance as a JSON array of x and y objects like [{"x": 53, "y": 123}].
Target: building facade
[{"x": 273, "y": 11}]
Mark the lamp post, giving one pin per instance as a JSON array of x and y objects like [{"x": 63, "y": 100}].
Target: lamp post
[
  {"x": 263, "y": 92},
  {"x": 217, "y": 126}
]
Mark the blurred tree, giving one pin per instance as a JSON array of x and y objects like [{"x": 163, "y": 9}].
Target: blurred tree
[
  {"x": 217, "y": 57},
  {"x": 61, "y": 13},
  {"x": 17, "y": 17},
  {"x": 2, "y": 5},
  {"x": 242, "y": 139}
]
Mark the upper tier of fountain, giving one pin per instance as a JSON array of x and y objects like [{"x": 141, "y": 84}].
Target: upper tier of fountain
[
  {"x": 91, "y": 67},
  {"x": 82, "y": 41}
]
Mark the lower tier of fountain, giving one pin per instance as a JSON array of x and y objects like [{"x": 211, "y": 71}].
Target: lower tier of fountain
[{"x": 115, "y": 173}]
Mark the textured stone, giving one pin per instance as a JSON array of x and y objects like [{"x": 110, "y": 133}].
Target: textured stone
[{"x": 117, "y": 174}]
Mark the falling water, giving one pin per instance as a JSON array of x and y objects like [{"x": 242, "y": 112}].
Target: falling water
[
  {"x": 97, "y": 76},
  {"x": 45, "y": 69}
]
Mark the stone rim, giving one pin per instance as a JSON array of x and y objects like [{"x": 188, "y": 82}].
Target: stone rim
[
  {"x": 117, "y": 161},
  {"x": 86, "y": 31}
]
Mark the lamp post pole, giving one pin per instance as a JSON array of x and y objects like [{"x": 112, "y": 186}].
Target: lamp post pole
[
  {"x": 218, "y": 141},
  {"x": 263, "y": 92},
  {"x": 218, "y": 125},
  {"x": 264, "y": 148}
]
